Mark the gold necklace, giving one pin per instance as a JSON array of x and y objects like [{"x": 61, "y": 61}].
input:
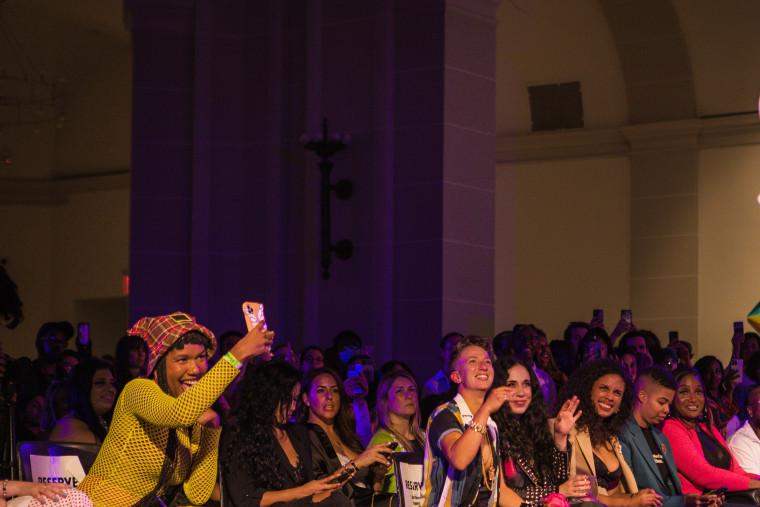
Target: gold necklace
[
  {"x": 335, "y": 439},
  {"x": 488, "y": 475}
]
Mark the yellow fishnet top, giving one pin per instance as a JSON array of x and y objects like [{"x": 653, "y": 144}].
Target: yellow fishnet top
[{"x": 129, "y": 462}]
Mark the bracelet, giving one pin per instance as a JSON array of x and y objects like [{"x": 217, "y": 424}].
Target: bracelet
[
  {"x": 233, "y": 360},
  {"x": 474, "y": 425},
  {"x": 350, "y": 468},
  {"x": 5, "y": 488}
]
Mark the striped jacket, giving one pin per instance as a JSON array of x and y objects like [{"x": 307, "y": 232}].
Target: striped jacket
[{"x": 445, "y": 486}]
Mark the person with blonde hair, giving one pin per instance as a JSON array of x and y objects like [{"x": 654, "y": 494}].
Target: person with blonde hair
[{"x": 398, "y": 414}]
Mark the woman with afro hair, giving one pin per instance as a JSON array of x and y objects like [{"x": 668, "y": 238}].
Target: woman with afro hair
[
  {"x": 606, "y": 401},
  {"x": 264, "y": 458}
]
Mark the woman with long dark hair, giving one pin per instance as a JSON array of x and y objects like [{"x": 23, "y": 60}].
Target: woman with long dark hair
[
  {"x": 323, "y": 406},
  {"x": 90, "y": 398},
  {"x": 264, "y": 458},
  {"x": 604, "y": 391},
  {"x": 719, "y": 388},
  {"x": 702, "y": 456},
  {"x": 398, "y": 414},
  {"x": 537, "y": 459},
  {"x": 163, "y": 442}
]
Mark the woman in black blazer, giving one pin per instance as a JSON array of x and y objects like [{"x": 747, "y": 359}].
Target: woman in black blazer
[{"x": 264, "y": 458}]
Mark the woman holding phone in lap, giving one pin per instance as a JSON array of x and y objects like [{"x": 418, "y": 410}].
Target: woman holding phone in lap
[
  {"x": 264, "y": 458},
  {"x": 323, "y": 405}
]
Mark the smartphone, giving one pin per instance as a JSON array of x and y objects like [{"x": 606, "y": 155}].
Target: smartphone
[
  {"x": 83, "y": 333},
  {"x": 345, "y": 474},
  {"x": 718, "y": 492},
  {"x": 738, "y": 365},
  {"x": 254, "y": 313},
  {"x": 594, "y": 350},
  {"x": 391, "y": 447},
  {"x": 672, "y": 336},
  {"x": 625, "y": 315},
  {"x": 598, "y": 314},
  {"x": 354, "y": 371},
  {"x": 739, "y": 327}
]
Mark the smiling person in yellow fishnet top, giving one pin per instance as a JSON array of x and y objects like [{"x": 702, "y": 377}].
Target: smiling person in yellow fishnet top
[{"x": 162, "y": 446}]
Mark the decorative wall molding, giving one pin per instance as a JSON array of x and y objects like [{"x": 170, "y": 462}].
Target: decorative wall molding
[
  {"x": 704, "y": 133},
  {"x": 485, "y": 10},
  {"x": 57, "y": 191}
]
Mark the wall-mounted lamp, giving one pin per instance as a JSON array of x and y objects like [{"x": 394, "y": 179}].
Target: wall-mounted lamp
[{"x": 325, "y": 146}]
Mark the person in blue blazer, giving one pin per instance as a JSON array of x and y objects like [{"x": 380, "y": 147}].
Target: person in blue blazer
[{"x": 646, "y": 449}]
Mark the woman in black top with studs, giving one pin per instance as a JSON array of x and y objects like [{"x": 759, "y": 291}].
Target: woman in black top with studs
[{"x": 535, "y": 461}]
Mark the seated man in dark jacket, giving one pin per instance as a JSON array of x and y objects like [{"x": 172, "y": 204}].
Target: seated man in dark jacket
[{"x": 646, "y": 449}]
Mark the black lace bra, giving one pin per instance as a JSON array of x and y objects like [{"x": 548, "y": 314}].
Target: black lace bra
[{"x": 604, "y": 478}]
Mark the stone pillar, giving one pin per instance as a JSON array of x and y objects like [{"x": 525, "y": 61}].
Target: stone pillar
[
  {"x": 225, "y": 201},
  {"x": 444, "y": 173},
  {"x": 664, "y": 227}
]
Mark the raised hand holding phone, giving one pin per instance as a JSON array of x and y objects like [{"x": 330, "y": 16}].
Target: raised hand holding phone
[
  {"x": 258, "y": 341},
  {"x": 254, "y": 314},
  {"x": 737, "y": 339},
  {"x": 597, "y": 319}
]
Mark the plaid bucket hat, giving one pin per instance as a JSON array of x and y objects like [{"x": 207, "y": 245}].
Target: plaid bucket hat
[{"x": 161, "y": 332}]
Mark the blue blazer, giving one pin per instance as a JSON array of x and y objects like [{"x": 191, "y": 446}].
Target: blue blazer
[{"x": 639, "y": 458}]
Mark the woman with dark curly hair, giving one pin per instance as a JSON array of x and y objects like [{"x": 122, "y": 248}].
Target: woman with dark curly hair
[
  {"x": 265, "y": 459},
  {"x": 90, "y": 395},
  {"x": 604, "y": 391},
  {"x": 323, "y": 406},
  {"x": 538, "y": 459}
]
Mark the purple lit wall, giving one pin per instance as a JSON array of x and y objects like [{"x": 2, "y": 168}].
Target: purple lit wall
[{"x": 225, "y": 201}]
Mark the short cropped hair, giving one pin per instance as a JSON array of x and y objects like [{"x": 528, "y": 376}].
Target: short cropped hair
[
  {"x": 658, "y": 376},
  {"x": 468, "y": 341}
]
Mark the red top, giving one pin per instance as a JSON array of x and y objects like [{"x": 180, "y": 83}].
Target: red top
[{"x": 695, "y": 473}]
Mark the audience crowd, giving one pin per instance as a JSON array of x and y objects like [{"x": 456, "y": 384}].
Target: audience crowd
[{"x": 616, "y": 419}]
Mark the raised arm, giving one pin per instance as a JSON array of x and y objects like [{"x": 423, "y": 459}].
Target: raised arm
[
  {"x": 461, "y": 448},
  {"x": 144, "y": 399}
]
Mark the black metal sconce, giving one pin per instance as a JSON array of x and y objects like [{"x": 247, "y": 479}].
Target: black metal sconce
[{"x": 325, "y": 146}]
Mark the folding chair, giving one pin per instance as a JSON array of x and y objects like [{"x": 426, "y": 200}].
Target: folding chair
[
  {"x": 65, "y": 462},
  {"x": 408, "y": 469}
]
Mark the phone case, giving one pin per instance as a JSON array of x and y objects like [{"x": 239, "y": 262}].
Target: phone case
[{"x": 254, "y": 312}]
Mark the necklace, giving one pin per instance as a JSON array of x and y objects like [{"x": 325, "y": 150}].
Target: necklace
[
  {"x": 488, "y": 475},
  {"x": 334, "y": 438}
]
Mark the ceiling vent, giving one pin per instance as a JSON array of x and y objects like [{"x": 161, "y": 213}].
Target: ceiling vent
[{"x": 556, "y": 106}]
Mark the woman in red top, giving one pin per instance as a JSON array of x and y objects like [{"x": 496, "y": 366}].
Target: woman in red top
[{"x": 702, "y": 456}]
